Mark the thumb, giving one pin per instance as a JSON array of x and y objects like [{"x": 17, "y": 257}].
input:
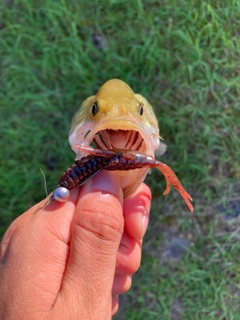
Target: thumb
[{"x": 97, "y": 229}]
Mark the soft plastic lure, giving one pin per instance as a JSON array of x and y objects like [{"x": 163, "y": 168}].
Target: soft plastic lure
[{"x": 124, "y": 130}]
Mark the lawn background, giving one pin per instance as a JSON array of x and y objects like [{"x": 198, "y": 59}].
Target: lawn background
[{"x": 183, "y": 56}]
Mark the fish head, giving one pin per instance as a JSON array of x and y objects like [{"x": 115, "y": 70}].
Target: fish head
[{"x": 115, "y": 118}]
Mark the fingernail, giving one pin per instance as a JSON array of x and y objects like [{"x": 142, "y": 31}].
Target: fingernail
[
  {"x": 144, "y": 223},
  {"x": 106, "y": 182}
]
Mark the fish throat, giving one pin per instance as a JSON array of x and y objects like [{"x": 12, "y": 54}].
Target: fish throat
[{"x": 119, "y": 139}]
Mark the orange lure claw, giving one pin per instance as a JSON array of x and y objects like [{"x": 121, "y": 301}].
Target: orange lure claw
[{"x": 171, "y": 179}]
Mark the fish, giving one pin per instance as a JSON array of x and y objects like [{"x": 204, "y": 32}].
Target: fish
[{"x": 117, "y": 129}]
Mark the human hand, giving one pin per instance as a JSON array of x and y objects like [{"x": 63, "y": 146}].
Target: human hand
[{"x": 71, "y": 260}]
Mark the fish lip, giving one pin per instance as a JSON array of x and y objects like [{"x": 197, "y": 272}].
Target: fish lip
[{"x": 84, "y": 134}]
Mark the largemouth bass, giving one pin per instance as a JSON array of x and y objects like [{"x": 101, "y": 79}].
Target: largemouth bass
[{"x": 119, "y": 131}]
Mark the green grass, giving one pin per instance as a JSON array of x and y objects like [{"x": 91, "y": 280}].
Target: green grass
[{"x": 183, "y": 56}]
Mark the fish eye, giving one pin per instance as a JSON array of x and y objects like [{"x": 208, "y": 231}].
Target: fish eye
[
  {"x": 95, "y": 109},
  {"x": 141, "y": 108}
]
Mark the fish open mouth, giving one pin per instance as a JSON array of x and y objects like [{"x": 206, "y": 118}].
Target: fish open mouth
[
  {"x": 115, "y": 134},
  {"x": 119, "y": 139}
]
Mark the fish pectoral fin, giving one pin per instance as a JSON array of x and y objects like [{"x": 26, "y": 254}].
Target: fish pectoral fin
[{"x": 171, "y": 179}]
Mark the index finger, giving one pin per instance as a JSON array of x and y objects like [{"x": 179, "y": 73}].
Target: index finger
[{"x": 136, "y": 209}]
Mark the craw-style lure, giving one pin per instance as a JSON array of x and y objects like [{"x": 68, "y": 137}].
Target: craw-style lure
[{"x": 83, "y": 170}]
